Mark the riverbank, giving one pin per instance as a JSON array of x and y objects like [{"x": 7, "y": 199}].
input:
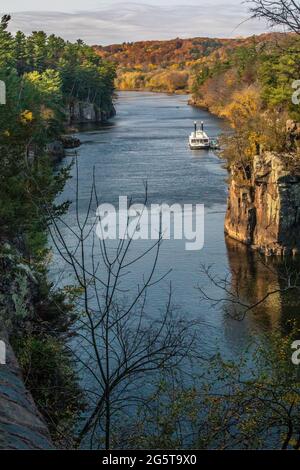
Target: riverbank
[{"x": 153, "y": 90}]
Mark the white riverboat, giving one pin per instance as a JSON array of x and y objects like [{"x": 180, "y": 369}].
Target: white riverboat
[{"x": 199, "y": 139}]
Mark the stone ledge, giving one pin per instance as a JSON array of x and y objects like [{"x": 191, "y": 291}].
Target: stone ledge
[{"x": 21, "y": 424}]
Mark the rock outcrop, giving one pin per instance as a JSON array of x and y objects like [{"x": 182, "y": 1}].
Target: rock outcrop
[
  {"x": 21, "y": 425},
  {"x": 264, "y": 205},
  {"x": 70, "y": 142},
  {"x": 83, "y": 111}
]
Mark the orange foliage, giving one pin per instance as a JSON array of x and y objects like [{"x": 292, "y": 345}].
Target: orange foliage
[{"x": 148, "y": 65}]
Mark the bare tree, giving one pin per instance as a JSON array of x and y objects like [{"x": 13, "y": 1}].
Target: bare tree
[
  {"x": 119, "y": 343},
  {"x": 284, "y": 13}
]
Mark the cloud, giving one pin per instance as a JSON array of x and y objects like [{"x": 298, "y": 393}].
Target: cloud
[{"x": 132, "y": 22}]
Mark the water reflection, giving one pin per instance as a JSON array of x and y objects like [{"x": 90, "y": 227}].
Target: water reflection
[{"x": 254, "y": 276}]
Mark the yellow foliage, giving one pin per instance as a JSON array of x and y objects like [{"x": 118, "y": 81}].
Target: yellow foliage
[
  {"x": 130, "y": 81},
  {"x": 26, "y": 116},
  {"x": 244, "y": 105},
  {"x": 170, "y": 81},
  {"x": 158, "y": 80}
]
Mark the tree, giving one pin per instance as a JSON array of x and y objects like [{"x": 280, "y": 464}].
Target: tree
[
  {"x": 249, "y": 402},
  {"x": 278, "y": 13},
  {"x": 121, "y": 344},
  {"x": 7, "y": 54},
  {"x": 21, "y": 52},
  {"x": 277, "y": 72},
  {"x": 38, "y": 45}
]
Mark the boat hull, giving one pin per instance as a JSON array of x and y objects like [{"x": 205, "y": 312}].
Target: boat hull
[{"x": 199, "y": 147}]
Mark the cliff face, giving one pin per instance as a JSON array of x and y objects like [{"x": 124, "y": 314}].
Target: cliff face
[
  {"x": 83, "y": 111},
  {"x": 21, "y": 425},
  {"x": 264, "y": 206}
]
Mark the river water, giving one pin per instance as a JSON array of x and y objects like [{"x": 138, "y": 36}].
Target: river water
[{"x": 147, "y": 140}]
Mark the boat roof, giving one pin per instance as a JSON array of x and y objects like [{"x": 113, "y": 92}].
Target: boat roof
[{"x": 199, "y": 135}]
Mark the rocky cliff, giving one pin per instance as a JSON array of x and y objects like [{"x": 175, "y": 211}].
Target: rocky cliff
[
  {"x": 77, "y": 112},
  {"x": 264, "y": 205},
  {"x": 21, "y": 425},
  {"x": 84, "y": 111}
]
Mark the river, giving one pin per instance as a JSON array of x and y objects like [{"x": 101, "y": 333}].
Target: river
[{"x": 147, "y": 140}]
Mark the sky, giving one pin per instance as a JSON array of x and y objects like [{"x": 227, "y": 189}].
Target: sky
[{"x": 116, "y": 21}]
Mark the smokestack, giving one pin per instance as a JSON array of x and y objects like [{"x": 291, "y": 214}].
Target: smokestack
[
  {"x": 202, "y": 126},
  {"x": 195, "y": 126}
]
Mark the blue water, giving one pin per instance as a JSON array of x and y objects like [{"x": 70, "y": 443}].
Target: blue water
[{"x": 148, "y": 141}]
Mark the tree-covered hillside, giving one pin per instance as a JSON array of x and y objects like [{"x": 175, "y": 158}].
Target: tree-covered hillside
[
  {"x": 43, "y": 76},
  {"x": 172, "y": 66},
  {"x": 158, "y": 65},
  {"x": 253, "y": 87}
]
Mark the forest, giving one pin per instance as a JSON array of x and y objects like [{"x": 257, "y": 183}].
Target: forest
[
  {"x": 43, "y": 75},
  {"x": 158, "y": 65}
]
